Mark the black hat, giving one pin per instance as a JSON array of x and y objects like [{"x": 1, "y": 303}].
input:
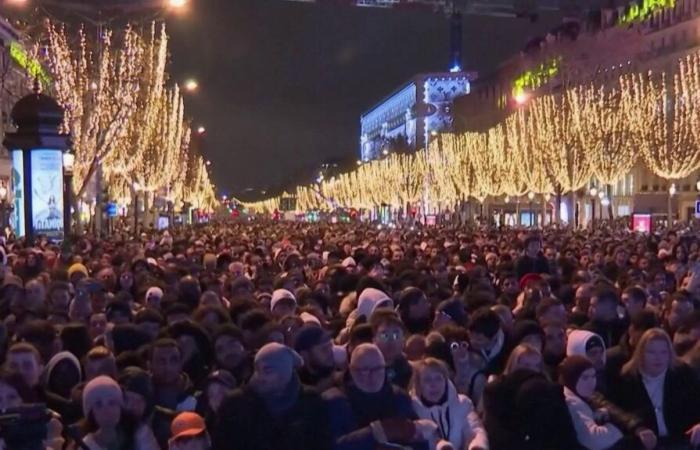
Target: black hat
[{"x": 310, "y": 336}]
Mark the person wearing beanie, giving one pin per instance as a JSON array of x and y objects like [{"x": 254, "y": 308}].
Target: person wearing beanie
[
  {"x": 283, "y": 303},
  {"x": 450, "y": 312},
  {"x": 370, "y": 300},
  {"x": 599, "y": 424},
  {"x": 316, "y": 349},
  {"x": 77, "y": 272},
  {"x": 153, "y": 296},
  {"x": 590, "y": 345},
  {"x": 274, "y": 411},
  {"x": 107, "y": 425},
  {"x": 367, "y": 411}
]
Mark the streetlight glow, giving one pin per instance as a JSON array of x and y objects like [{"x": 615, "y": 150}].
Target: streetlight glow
[
  {"x": 530, "y": 195},
  {"x": 201, "y": 130},
  {"x": 593, "y": 192},
  {"x": 177, "y": 3},
  {"x": 191, "y": 85}
]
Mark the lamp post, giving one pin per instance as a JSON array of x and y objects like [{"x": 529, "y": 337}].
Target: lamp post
[
  {"x": 136, "y": 187},
  {"x": 68, "y": 167},
  {"x": 531, "y": 197},
  {"x": 593, "y": 193},
  {"x": 601, "y": 196},
  {"x": 37, "y": 166},
  {"x": 671, "y": 192}
]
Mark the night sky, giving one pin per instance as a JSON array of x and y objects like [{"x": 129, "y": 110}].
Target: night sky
[{"x": 282, "y": 84}]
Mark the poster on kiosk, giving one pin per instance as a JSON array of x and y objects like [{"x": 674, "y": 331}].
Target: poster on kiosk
[{"x": 47, "y": 193}]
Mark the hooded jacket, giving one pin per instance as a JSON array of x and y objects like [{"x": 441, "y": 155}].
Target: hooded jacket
[
  {"x": 577, "y": 341},
  {"x": 456, "y": 418}
]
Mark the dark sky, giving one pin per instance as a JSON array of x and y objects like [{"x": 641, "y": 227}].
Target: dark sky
[{"x": 283, "y": 83}]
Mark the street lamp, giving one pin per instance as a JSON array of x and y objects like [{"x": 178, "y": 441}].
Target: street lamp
[
  {"x": 137, "y": 188},
  {"x": 594, "y": 193},
  {"x": 191, "y": 85},
  {"x": 201, "y": 130},
  {"x": 68, "y": 168},
  {"x": 671, "y": 192},
  {"x": 177, "y": 3},
  {"x": 531, "y": 197}
]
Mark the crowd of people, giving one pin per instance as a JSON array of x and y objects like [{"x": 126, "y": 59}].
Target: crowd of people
[{"x": 289, "y": 336}]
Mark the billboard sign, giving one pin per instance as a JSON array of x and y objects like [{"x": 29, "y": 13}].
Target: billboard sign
[{"x": 47, "y": 192}]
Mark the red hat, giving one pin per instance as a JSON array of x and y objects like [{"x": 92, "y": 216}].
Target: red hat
[
  {"x": 528, "y": 278},
  {"x": 187, "y": 424}
]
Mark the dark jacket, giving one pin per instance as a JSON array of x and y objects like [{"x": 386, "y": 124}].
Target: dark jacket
[
  {"x": 524, "y": 411},
  {"x": 245, "y": 423},
  {"x": 681, "y": 401},
  {"x": 615, "y": 358},
  {"x": 525, "y": 265},
  {"x": 400, "y": 373},
  {"x": 352, "y": 412},
  {"x": 610, "y": 332}
]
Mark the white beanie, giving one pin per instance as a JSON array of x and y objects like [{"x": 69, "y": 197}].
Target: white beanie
[
  {"x": 154, "y": 290},
  {"x": 102, "y": 387},
  {"x": 370, "y": 299},
  {"x": 281, "y": 294},
  {"x": 309, "y": 318},
  {"x": 349, "y": 261}
]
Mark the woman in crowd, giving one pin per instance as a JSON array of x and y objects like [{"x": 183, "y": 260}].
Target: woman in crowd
[
  {"x": 661, "y": 390},
  {"x": 435, "y": 398},
  {"x": 107, "y": 424}
]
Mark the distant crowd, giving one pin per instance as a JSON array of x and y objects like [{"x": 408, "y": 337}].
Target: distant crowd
[{"x": 287, "y": 336}]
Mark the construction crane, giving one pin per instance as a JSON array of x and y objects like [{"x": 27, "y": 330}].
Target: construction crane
[{"x": 456, "y": 9}]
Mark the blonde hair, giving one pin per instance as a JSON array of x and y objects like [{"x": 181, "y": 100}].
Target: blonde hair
[
  {"x": 517, "y": 353},
  {"x": 634, "y": 365},
  {"x": 422, "y": 366}
]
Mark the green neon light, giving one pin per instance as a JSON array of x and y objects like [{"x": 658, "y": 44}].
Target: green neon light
[
  {"x": 642, "y": 9},
  {"x": 33, "y": 67},
  {"x": 532, "y": 79}
]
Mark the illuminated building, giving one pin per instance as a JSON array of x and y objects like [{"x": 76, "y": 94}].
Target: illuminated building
[
  {"x": 408, "y": 116},
  {"x": 644, "y": 35}
]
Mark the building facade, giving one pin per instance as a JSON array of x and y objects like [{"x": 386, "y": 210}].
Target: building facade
[
  {"x": 647, "y": 35},
  {"x": 407, "y": 117}
]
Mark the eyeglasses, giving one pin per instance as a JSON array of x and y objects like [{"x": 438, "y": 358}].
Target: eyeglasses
[
  {"x": 367, "y": 371},
  {"x": 458, "y": 345},
  {"x": 390, "y": 336}
]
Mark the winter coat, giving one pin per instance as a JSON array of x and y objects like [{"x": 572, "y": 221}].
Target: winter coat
[
  {"x": 244, "y": 423},
  {"x": 590, "y": 434},
  {"x": 143, "y": 440},
  {"x": 525, "y": 411},
  {"x": 610, "y": 332},
  {"x": 352, "y": 412},
  {"x": 681, "y": 406},
  {"x": 457, "y": 420},
  {"x": 525, "y": 265}
]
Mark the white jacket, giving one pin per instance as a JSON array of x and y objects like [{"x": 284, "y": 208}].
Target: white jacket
[
  {"x": 143, "y": 440},
  {"x": 456, "y": 419},
  {"x": 589, "y": 433}
]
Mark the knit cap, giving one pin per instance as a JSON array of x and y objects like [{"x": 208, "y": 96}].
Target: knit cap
[
  {"x": 310, "y": 336},
  {"x": 279, "y": 295},
  {"x": 100, "y": 388}
]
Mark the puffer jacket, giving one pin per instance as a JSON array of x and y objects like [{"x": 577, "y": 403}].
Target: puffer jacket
[{"x": 456, "y": 419}]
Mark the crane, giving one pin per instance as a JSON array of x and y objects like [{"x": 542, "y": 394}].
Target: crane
[{"x": 456, "y": 9}]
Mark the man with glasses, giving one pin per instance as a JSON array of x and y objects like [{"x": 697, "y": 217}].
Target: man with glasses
[
  {"x": 368, "y": 412},
  {"x": 389, "y": 337}
]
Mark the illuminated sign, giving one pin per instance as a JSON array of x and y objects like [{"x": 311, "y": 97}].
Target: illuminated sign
[
  {"x": 532, "y": 79},
  {"x": 47, "y": 192},
  {"x": 642, "y": 9},
  {"x": 33, "y": 67}
]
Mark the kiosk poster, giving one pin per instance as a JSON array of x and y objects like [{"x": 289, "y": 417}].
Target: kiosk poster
[
  {"x": 17, "y": 217},
  {"x": 47, "y": 193}
]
